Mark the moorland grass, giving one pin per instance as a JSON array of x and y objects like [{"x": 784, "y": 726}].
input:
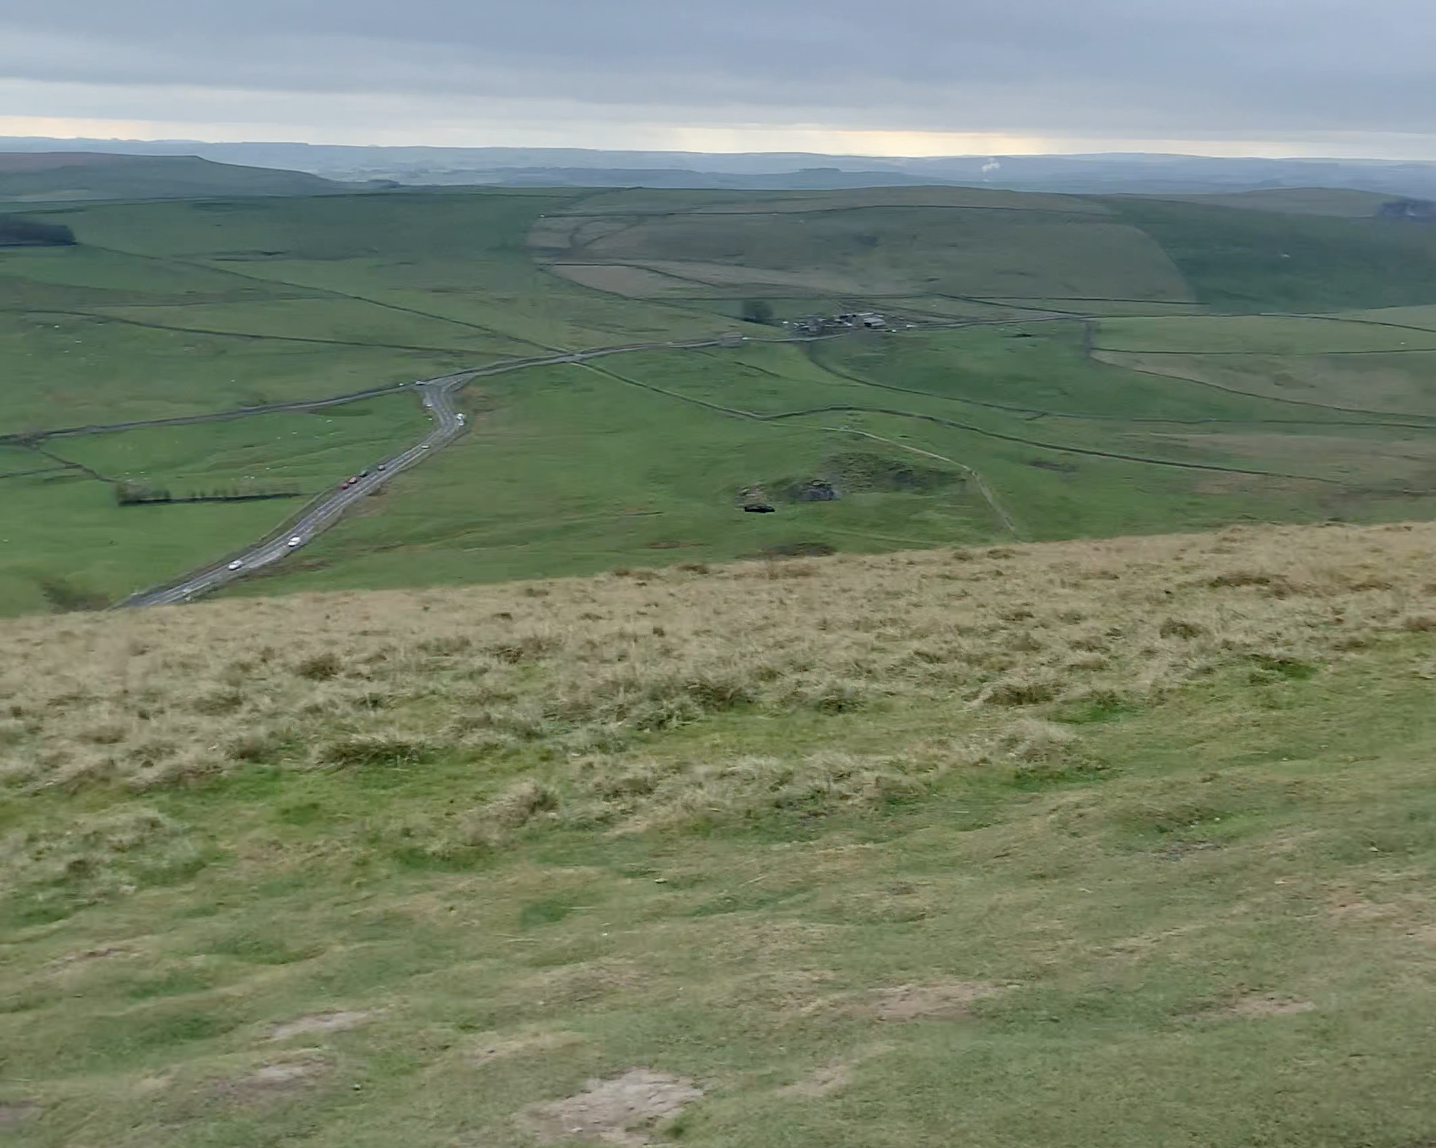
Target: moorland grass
[{"x": 1099, "y": 843}]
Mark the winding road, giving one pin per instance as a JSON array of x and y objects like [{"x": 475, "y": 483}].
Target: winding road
[{"x": 437, "y": 396}]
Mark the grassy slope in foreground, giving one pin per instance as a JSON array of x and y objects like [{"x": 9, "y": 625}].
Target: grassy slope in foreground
[{"x": 1112, "y": 843}]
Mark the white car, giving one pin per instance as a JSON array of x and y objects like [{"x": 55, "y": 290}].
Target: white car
[
  {"x": 235, "y": 565},
  {"x": 295, "y": 541}
]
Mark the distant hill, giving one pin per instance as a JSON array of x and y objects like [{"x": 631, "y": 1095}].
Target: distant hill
[
  {"x": 48, "y": 177},
  {"x": 1341, "y": 202},
  {"x": 1102, "y": 174},
  {"x": 805, "y": 179}
]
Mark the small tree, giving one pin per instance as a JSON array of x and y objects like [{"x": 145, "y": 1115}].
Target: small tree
[{"x": 757, "y": 311}]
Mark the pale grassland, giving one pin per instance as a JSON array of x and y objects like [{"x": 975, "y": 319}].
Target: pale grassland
[
  {"x": 583, "y": 666},
  {"x": 1107, "y": 845}
]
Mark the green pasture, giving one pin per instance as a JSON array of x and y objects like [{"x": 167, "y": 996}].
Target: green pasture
[
  {"x": 177, "y": 308},
  {"x": 637, "y": 460}
]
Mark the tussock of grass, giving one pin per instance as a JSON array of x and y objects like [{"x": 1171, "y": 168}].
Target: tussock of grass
[{"x": 343, "y": 680}]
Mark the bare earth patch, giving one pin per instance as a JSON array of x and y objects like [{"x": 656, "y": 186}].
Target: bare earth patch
[
  {"x": 831, "y": 1077},
  {"x": 96, "y": 954},
  {"x": 624, "y": 1110},
  {"x": 827, "y": 1079},
  {"x": 585, "y": 981},
  {"x": 933, "y": 1002},
  {"x": 273, "y": 1082},
  {"x": 1267, "y": 1004},
  {"x": 12, "y": 1114},
  {"x": 320, "y": 1022},
  {"x": 495, "y": 1046}
]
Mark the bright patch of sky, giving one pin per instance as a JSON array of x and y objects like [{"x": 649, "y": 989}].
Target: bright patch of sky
[{"x": 907, "y": 77}]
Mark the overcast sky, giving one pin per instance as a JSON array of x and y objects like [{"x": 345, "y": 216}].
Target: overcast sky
[{"x": 896, "y": 77}]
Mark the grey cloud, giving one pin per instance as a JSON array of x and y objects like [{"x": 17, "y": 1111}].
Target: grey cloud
[{"x": 1113, "y": 66}]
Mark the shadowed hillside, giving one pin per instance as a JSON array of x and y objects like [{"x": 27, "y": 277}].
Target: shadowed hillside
[{"x": 51, "y": 177}]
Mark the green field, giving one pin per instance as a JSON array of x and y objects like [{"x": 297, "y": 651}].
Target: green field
[{"x": 1060, "y": 366}]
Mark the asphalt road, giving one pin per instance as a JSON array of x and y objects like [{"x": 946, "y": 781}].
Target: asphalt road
[
  {"x": 438, "y": 399},
  {"x": 437, "y": 396}
]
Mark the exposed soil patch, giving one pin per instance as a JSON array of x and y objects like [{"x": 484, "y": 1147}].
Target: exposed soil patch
[
  {"x": 274, "y": 1082},
  {"x": 320, "y": 1022},
  {"x": 625, "y": 1110},
  {"x": 827, "y": 1079},
  {"x": 12, "y": 1114},
  {"x": 933, "y": 1002},
  {"x": 574, "y": 984},
  {"x": 1266, "y": 1004},
  {"x": 96, "y": 954},
  {"x": 495, "y": 1046}
]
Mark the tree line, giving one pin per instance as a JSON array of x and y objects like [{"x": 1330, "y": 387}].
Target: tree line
[{"x": 17, "y": 231}]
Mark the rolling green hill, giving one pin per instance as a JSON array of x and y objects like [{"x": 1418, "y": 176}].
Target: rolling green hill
[
  {"x": 42, "y": 177},
  {"x": 1069, "y": 366}
]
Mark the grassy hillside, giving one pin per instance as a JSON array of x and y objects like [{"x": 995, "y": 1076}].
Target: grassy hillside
[
  {"x": 1241, "y": 260},
  {"x": 888, "y": 242},
  {"x": 1058, "y": 369},
  {"x": 1346, "y": 203},
  {"x": 1110, "y": 843},
  {"x": 90, "y": 177}
]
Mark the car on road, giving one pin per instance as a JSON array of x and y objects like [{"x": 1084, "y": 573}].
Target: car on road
[
  {"x": 424, "y": 446},
  {"x": 296, "y": 540},
  {"x": 460, "y": 417},
  {"x": 381, "y": 466},
  {"x": 235, "y": 565}
]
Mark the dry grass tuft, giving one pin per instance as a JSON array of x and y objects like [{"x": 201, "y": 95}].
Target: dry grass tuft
[
  {"x": 177, "y": 696},
  {"x": 950, "y": 1001}
]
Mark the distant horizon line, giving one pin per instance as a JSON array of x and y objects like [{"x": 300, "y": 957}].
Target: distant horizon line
[{"x": 5, "y": 141}]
